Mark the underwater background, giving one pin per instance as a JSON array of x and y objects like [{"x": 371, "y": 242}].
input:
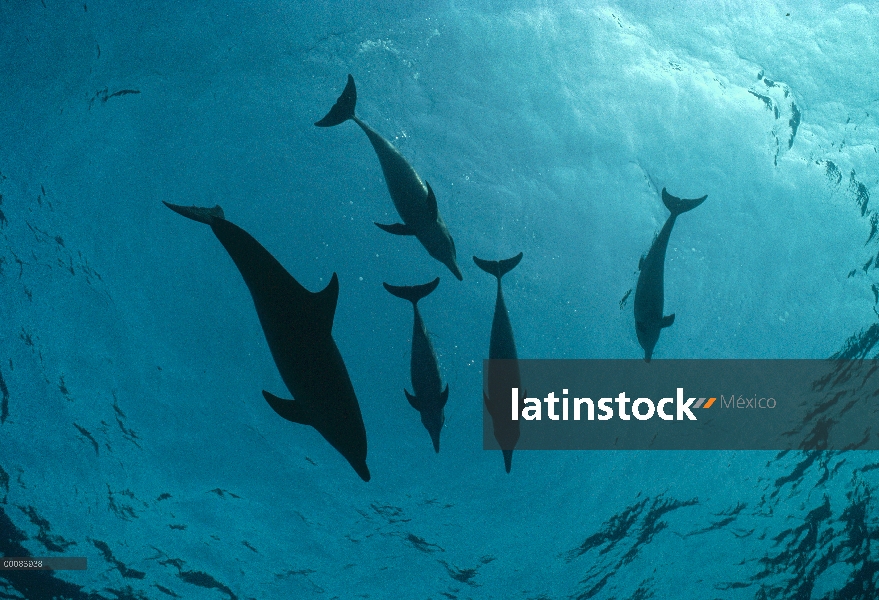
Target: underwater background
[{"x": 132, "y": 427}]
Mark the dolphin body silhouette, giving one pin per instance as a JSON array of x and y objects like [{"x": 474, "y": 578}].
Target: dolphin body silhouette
[
  {"x": 502, "y": 345},
  {"x": 650, "y": 291},
  {"x": 298, "y": 328},
  {"x": 429, "y": 399},
  {"x": 413, "y": 199}
]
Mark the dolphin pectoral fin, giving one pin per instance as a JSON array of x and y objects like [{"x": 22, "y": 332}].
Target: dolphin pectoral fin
[
  {"x": 412, "y": 400},
  {"x": 397, "y": 229},
  {"x": 432, "y": 209},
  {"x": 667, "y": 321},
  {"x": 327, "y": 299},
  {"x": 291, "y": 410},
  {"x": 444, "y": 396}
]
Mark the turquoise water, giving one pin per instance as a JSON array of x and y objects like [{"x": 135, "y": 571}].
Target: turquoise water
[{"x": 133, "y": 428}]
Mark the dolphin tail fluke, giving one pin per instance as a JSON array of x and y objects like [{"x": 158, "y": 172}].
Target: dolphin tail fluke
[
  {"x": 289, "y": 409},
  {"x": 412, "y": 293},
  {"x": 197, "y": 213},
  {"x": 680, "y": 205},
  {"x": 498, "y": 268},
  {"x": 343, "y": 109},
  {"x": 508, "y": 459}
]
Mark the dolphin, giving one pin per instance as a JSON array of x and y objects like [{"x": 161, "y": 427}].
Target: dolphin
[
  {"x": 429, "y": 399},
  {"x": 298, "y": 328},
  {"x": 650, "y": 291},
  {"x": 502, "y": 346},
  {"x": 413, "y": 198}
]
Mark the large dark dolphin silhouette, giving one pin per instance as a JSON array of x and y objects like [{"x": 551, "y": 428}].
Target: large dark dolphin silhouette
[
  {"x": 650, "y": 291},
  {"x": 413, "y": 198},
  {"x": 298, "y": 327},
  {"x": 429, "y": 399},
  {"x": 502, "y": 346}
]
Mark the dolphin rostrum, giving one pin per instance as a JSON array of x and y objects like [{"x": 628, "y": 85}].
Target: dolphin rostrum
[
  {"x": 650, "y": 291},
  {"x": 413, "y": 198},
  {"x": 298, "y": 328},
  {"x": 429, "y": 399},
  {"x": 502, "y": 346}
]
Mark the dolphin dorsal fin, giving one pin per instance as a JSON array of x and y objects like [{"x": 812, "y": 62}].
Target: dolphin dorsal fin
[
  {"x": 432, "y": 209},
  {"x": 667, "y": 321},
  {"x": 326, "y": 301},
  {"x": 444, "y": 397}
]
